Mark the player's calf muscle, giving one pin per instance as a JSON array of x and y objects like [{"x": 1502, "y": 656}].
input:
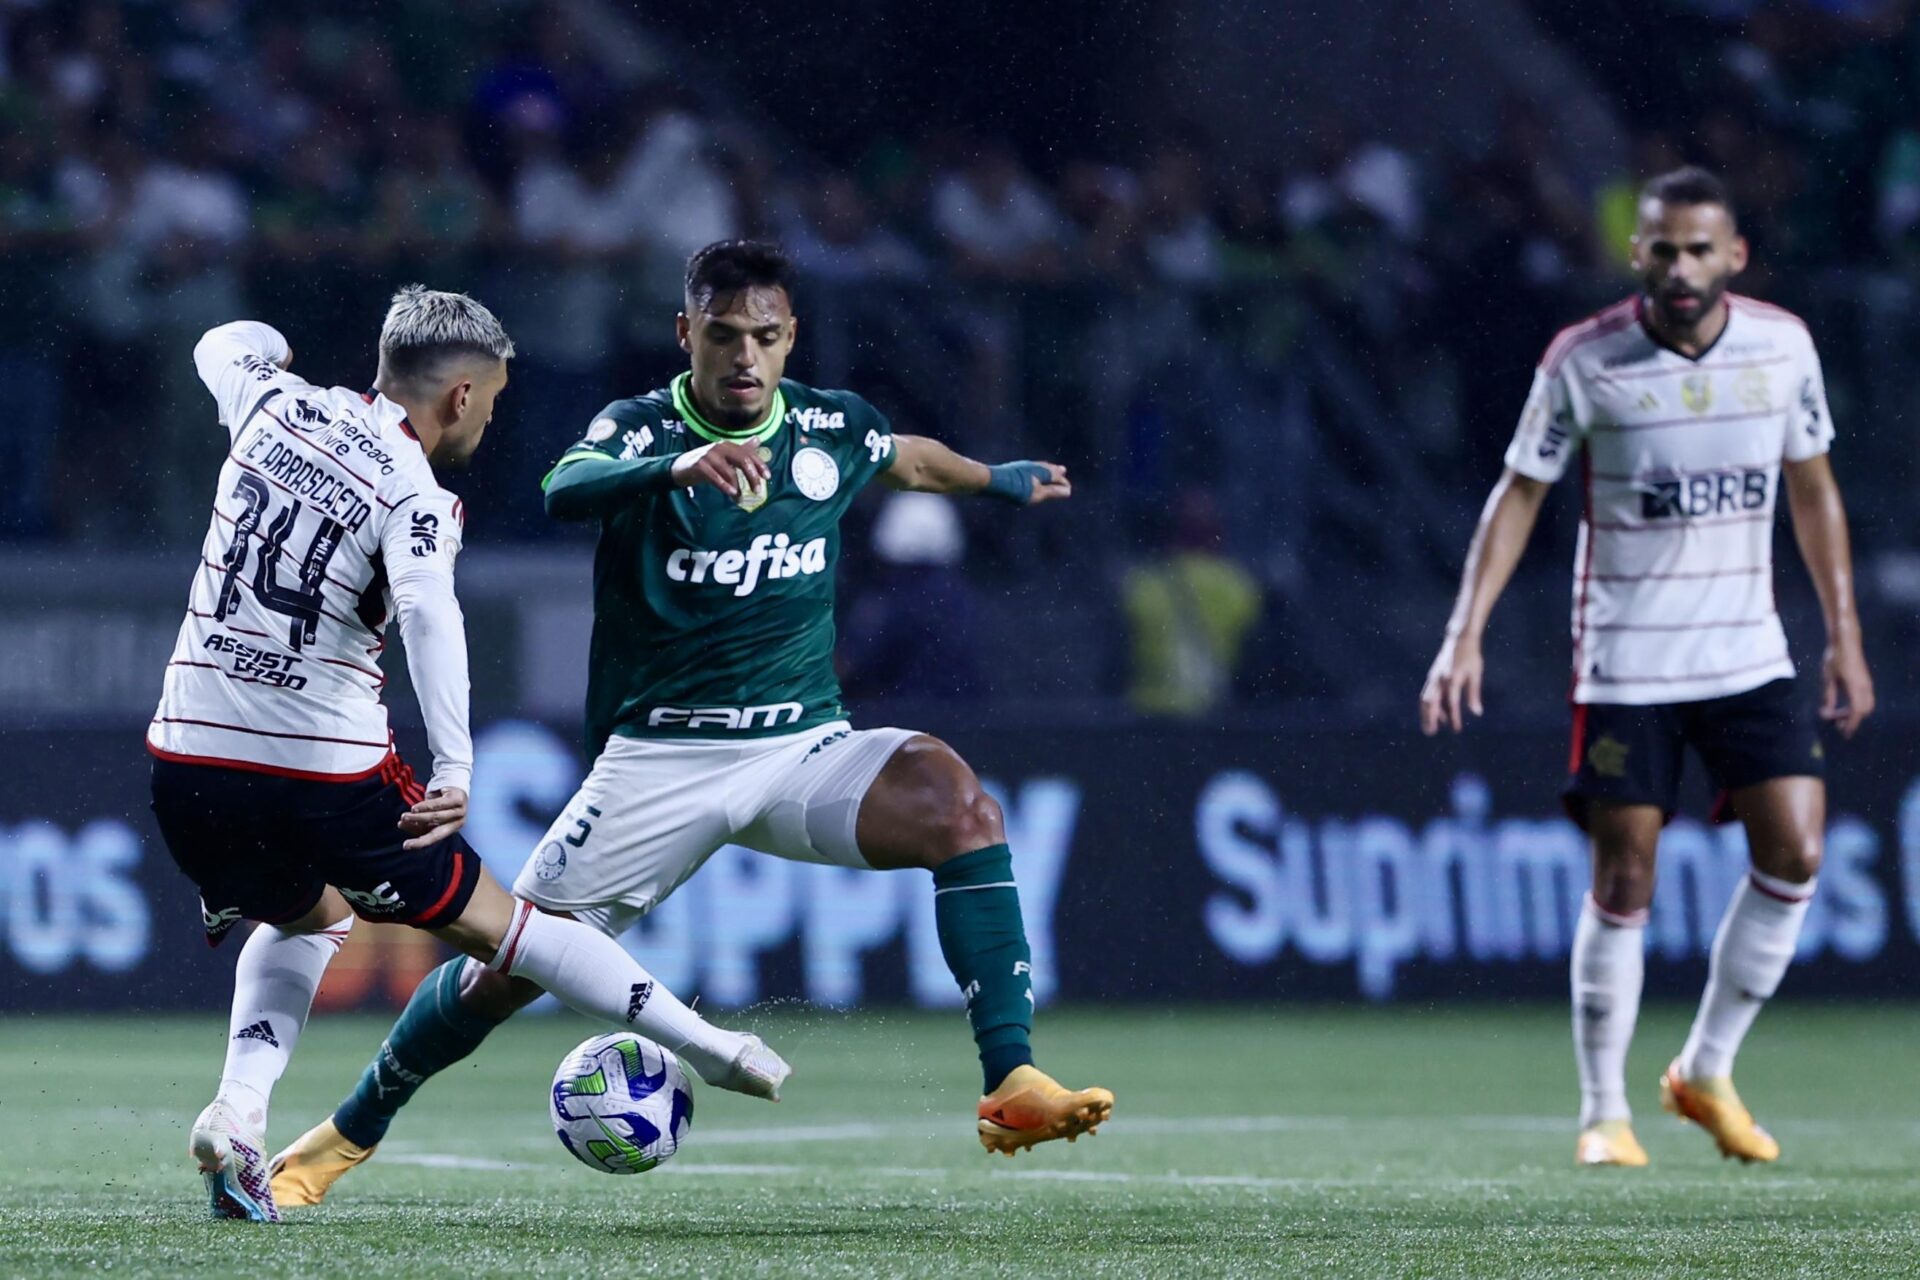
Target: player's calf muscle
[
  {"x": 493, "y": 994},
  {"x": 483, "y": 925}
]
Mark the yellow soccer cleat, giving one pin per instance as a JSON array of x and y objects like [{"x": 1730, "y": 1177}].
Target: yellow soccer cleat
[
  {"x": 307, "y": 1170},
  {"x": 1611, "y": 1142},
  {"x": 1031, "y": 1107},
  {"x": 1714, "y": 1106}
]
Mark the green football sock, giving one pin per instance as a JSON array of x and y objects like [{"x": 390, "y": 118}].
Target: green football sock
[
  {"x": 432, "y": 1033},
  {"x": 976, "y": 909}
]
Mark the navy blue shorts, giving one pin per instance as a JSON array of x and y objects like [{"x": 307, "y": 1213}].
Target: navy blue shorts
[
  {"x": 1632, "y": 755},
  {"x": 265, "y": 847}
]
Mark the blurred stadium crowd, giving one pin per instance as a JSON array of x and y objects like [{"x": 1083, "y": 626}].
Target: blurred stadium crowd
[{"x": 1352, "y": 334}]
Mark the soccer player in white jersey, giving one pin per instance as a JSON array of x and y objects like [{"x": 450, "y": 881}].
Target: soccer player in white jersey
[
  {"x": 275, "y": 781},
  {"x": 1692, "y": 404}
]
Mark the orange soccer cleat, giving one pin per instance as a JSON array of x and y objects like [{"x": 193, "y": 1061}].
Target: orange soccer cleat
[
  {"x": 307, "y": 1170},
  {"x": 1716, "y": 1107},
  {"x": 1031, "y": 1107},
  {"x": 1611, "y": 1142}
]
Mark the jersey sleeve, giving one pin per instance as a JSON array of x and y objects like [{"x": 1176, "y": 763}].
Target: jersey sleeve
[
  {"x": 1551, "y": 429},
  {"x": 419, "y": 544},
  {"x": 626, "y": 453},
  {"x": 868, "y": 443},
  {"x": 621, "y": 432},
  {"x": 1809, "y": 420},
  {"x": 240, "y": 363}
]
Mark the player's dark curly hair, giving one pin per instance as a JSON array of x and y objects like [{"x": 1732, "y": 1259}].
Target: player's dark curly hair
[
  {"x": 1690, "y": 185},
  {"x": 728, "y": 266}
]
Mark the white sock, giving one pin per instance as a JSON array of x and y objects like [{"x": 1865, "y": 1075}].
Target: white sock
[
  {"x": 273, "y": 985},
  {"x": 1750, "y": 956},
  {"x": 1609, "y": 962},
  {"x": 594, "y": 975}
]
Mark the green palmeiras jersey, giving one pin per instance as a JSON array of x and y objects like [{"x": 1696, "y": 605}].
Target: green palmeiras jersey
[{"x": 713, "y": 616}]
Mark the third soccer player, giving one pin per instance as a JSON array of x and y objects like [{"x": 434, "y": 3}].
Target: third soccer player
[{"x": 1692, "y": 405}]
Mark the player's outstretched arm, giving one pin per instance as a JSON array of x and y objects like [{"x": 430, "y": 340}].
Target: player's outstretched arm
[
  {"x": 586, "y": 484},
  {"x": 927, "y": 466},
  {"x": 1506, "y": 522},
  {"x": 1820, "y": 527}
]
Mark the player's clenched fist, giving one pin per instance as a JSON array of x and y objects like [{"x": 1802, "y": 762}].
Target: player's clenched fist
[
  {"x": 724, "y": 465},
  {"x": 1453, "y": 682}
]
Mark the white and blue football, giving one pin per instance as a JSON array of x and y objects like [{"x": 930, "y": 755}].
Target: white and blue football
[{"x": 621, "y": 1104}]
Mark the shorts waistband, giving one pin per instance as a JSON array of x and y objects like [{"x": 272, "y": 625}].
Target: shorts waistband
[{"x": 633, "y": 743}]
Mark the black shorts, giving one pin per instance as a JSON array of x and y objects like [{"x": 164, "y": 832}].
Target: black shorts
[
  {"x": 1632, "y": 754},
  {"x": 265, "y": 847}
]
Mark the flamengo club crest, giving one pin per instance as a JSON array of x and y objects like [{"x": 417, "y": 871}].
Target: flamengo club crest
[
  {"x": 816, "y": 474},
  {"x": 1696, "y": 392}
]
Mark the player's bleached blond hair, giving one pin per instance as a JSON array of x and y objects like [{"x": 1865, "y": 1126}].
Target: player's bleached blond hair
[{"x": 425, "y": 327}]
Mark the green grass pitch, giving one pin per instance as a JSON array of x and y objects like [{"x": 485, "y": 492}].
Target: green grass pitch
[{"x": 1255, "y": 1141}]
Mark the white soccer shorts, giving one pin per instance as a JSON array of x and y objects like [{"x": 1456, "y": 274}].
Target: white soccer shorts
[{"x": 652, "y": 811}]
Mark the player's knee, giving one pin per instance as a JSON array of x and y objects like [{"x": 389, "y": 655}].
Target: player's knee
[
  {"x": 1797, "y": 859},
  {"x": 928, "y": 808},
  {"x": 1623, "y": 895},
  {"x": 961, "y": 817},
  {"x": 1808, "y": 858},
  {"x": 1623, "y": 879},
  {"x": 494, "y": 995},
  {"x": 971, "y": 821}
]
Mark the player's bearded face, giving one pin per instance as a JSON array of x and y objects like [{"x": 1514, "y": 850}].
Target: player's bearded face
[
  {"x": 1686, "y": 256},
  {"x": 472, "y": 406},
  {"x": 739, "y": 343}
]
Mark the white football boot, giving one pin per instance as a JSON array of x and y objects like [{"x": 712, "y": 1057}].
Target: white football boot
[
  {"x": 233, "y": 1163},
  {"x": 750, "y": 1068}
]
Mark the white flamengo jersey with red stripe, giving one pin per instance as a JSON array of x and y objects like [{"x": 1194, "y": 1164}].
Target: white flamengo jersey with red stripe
[
  {"x": 1673, "y": 582},
  {"x": 326, "y": 512}
]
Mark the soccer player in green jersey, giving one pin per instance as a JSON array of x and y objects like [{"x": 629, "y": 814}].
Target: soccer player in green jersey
[{"x": 715, "y": 712}]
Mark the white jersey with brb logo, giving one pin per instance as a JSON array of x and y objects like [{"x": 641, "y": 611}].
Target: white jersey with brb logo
[
  {"x": 326, "y": 513},
  {"x": 1673, "y": 580}
]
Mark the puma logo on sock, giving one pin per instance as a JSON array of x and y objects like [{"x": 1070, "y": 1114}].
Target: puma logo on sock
[{"x": 403, "y": 1078}]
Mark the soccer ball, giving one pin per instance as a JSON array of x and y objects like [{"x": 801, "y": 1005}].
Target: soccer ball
[{"x": 621, "y": 1104}]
